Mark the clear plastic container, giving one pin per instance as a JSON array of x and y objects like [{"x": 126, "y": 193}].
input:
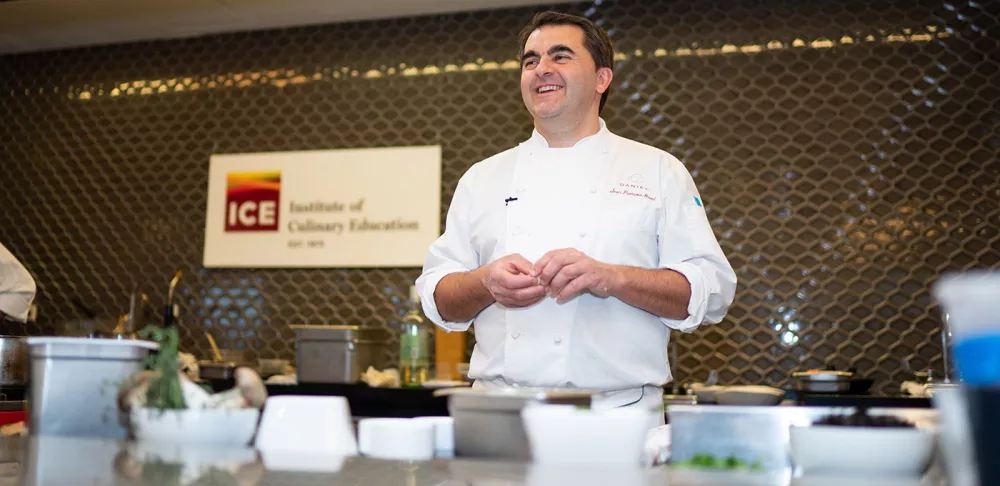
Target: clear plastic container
[
  {"x": 971, "y": 304},
  {"x": 74, "y": 384}
]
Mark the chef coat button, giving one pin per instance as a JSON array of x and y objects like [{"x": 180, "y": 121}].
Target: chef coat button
[
  {"x": 583, "y": 234},
  {"x": 557, "y": 339},
  {"x": 593, "y": 189},
  {"x": 515, "y": 335}
]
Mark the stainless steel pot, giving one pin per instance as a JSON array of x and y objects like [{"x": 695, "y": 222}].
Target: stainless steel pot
[
  {"x": 337, "y": 354},
  {"x": 13, "y": 360},
  {"x": 488, "y": 421}
]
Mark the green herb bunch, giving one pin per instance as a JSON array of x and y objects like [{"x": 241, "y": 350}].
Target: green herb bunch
[
  {"x": 165, "y": 390},
  {"x": 708, "y": 461}
]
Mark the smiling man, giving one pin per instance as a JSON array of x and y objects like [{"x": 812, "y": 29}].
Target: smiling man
[{"x": 576, "y": 252}]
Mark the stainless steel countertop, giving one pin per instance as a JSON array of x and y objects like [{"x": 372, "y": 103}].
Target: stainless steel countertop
[
  {"x": 36, "y": 461},
  {"x": 32, "y": 461}
]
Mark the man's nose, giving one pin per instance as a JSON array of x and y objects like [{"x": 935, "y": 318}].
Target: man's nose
[{"x": 544, "y": 67}]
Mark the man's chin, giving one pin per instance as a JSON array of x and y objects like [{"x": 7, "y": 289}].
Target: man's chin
[{"x": 547, "y": 114}]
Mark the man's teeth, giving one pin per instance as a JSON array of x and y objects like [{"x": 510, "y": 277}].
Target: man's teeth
[{"x": 545, "y": 89}]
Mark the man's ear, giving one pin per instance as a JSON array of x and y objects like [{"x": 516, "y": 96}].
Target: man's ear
[{"x": 604, "y": 77}]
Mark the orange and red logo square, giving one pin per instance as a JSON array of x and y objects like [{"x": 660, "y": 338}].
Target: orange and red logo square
[{"x": 252, "y": 200}]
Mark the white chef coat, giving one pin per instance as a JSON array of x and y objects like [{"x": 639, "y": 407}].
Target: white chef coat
[
  {"x": 17, "y": 287},
  {"x": 617, "y": 201}
]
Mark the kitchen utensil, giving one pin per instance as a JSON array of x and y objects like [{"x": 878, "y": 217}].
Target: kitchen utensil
[
  {"x": 222, "y": 427},
  {"x": 861, "y": 451},
  {"x": 396, "y": 438},
  {"x": 566, "y": 435},
  {"x": 749, "y": 395},
  {"x": 13, "y": 361},
  {"x": 126, "y": 326},
  {"x": 170, "y": 312},
  {"x": 133, "y": 311},
  {"x": 337, "y": 354},
  {"x": 307, "y": 425},
  {"x": 824, "y": 381},
  {"x": 215, "y": 348},
  {"x": 74, "y": 384},
  {"x": 488, "y": 420}
]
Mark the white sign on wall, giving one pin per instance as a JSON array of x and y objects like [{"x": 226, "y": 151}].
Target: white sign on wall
[{"x": 375, "y": 207}]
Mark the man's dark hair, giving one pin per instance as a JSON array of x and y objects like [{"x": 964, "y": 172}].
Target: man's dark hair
[{"x": 595, "y": 39}]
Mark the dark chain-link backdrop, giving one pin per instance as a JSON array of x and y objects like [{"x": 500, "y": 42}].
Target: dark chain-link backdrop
[{"x": 847, "y": 152}]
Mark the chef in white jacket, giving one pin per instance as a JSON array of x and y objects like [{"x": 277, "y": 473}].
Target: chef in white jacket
[
  {"x": 577, "y": 251},
  {"x": 17, "y": 287}
]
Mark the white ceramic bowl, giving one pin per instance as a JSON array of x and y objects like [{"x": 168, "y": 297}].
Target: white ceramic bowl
[
  {"x": 861, "y": 451},
  {"x": 396, "y": 438},
  {"x": 749, "y": 395},
  {"x": 307, "y": 425},
  {"x": 223, "y": 427},
  {"x": 565, "y": 435}
]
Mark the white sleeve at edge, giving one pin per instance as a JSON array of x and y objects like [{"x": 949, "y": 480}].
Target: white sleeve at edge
[{"x": 451, "y": 253}]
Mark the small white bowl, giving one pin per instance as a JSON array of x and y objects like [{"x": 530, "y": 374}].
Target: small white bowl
[
  {"x": 749, "y": 395},
  {"x": 566, "y": 435},
  {"x": 861, "y": 451},
  {"x": 223, "y": 427}
]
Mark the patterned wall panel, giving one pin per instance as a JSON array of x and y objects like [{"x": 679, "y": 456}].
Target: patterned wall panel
[{"x": 847, "y": 152}]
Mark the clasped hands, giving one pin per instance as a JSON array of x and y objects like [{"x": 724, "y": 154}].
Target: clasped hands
[{"x": 563, "y": 274}]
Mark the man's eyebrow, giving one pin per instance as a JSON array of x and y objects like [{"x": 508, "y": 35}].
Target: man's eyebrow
[
  {"x": 560, "y": 48},
  {"x": 552, "y": 51}
]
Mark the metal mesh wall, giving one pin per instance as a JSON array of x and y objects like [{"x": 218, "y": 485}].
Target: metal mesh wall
[{"x": 847, "y": 152}]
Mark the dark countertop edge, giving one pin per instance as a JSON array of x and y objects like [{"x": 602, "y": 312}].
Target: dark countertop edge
[
  {"x": 416, "y": 402},
  {"x": 373, "y": 402}
]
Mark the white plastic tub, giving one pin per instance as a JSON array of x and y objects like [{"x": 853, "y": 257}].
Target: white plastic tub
[{"x": 74, "y": 384}]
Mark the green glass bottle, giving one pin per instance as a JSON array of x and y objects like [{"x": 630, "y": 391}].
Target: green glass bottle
[{"x": 414, "y": 345}]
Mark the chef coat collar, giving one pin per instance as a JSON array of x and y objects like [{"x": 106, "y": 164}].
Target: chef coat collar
[{"x": 600, "y": 141}]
